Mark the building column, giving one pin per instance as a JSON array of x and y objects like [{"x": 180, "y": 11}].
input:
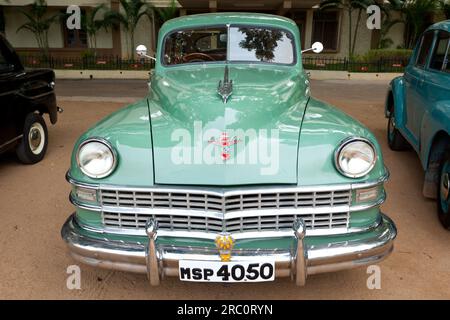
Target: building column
[
  {"x": 116, "y": 38},
  {"x": 309, "y": 27},
  {"x": 285, "y": 7},
  {"x": 213, "y": 5}
]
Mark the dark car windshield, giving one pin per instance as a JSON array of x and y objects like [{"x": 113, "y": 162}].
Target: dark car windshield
[{"x": 215, "y": 44}]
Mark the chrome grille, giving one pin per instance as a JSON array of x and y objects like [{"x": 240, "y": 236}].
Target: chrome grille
[
  {"x": 224, "y": 204},
  {"x": 240, "y": 224},
  {"x": 231, "y": 212}
]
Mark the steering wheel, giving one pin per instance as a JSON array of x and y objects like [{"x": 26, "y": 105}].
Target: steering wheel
[{"x": 197, "y": 57}]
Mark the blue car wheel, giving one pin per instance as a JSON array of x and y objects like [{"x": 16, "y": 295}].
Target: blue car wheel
[
  {"x": 395, "y": 139},
  {"x": 444, "y": 192}
]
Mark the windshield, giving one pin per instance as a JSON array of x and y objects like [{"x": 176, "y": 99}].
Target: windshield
[{"x": 215, "y": 44}]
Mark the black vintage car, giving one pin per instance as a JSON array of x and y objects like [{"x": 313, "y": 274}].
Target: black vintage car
[{"x": 25, "y": 95}]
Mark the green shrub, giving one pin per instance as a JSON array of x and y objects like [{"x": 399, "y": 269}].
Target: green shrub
[
  {"x": 389, "y": 54},
  {"x": 87, "y": 54}
]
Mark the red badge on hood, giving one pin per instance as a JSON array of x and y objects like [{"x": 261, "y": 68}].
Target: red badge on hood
[{"x": 225, "y": 143}]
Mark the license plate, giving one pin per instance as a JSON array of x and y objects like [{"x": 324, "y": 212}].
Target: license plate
[{"x": 215, "y": 271}]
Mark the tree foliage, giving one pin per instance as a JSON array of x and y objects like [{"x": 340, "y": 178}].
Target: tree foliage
[
  {"x": 39, "y": 23},
  {"x": 92, "y": 25},
  {"x": 133, "y": 12},
  {"x": 415, "y": 15},
  {"x": 445, "y": 7},
  {"x": 349, "y": 6},
  {"x": 164, "y": 14},
  {"x": 262, "y": 41}
]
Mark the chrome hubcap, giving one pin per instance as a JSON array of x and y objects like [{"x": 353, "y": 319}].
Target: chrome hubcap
[
  {"x": 391, "y": 124},
  {"x": 36, "y": 138},
  {"x": 445, "y": 186}
]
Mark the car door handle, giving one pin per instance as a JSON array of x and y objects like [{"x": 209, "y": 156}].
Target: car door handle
[{"x": 421, "y": 81}]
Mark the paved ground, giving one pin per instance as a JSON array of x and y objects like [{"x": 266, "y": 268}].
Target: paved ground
[{"x": 34, "y": 205}]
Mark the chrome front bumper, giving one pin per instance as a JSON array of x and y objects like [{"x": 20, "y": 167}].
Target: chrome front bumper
[{"x": 159, "y": 261}]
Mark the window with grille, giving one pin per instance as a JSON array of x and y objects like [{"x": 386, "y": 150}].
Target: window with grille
[{"x": 326, "y": 29}]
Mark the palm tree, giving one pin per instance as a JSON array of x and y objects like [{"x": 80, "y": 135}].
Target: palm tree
[
  {"x": 445, "y": 7},
  {"x": 161, "y": 15},
  {"x": 133, "y": 11},
  {"x": 93, "y": 25},
  {"x": 2, "y": 20},
  {"x": 166, "y": 13},
  {"x": 349, "y": 6},
  {"x": 38, "y": 24},
  {"x": 387, "y": 7},
  {"x": 416, "y": 16}
]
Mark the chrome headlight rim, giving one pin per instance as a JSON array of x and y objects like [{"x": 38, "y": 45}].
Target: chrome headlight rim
[
  {"x": 346, "y": 142},
  {"x": 107, "y": 144}
]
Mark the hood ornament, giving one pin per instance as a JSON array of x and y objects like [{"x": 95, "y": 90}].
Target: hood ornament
[{"x": 225, "y": 88}]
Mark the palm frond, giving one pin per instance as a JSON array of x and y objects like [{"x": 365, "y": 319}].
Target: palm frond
[
  {"x": 167, "y": 13},
  {"x": 331, "y": 4}
]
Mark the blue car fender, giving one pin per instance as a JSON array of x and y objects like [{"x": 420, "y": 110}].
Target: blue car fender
[{"x": 397, "y": 94}]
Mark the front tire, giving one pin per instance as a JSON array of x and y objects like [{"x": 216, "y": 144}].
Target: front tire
[
  {"x": 34, "y": 142},
  {"x": 444, "y": 192},
  {"x": 395, "y": 139}
]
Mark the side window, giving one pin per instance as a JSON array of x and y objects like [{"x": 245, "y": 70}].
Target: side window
[
  {"x": 326, "y": 28},
  {"x": 211, "y": 42},
  {"x": 446, "y": 66},
  {"x": 2, "y": 58},
  {"x": 425, "y": 47},
  {"x": 5, "y": 65},
  {"x": 440, "y": 50}
]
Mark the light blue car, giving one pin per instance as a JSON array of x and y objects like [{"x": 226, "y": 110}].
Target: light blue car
[{"x": 418, "y": 109}]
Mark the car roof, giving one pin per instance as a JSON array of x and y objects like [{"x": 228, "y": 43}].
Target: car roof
[
  {"x": 443, "y": 25},
  {"x": 228, "y": 18}
]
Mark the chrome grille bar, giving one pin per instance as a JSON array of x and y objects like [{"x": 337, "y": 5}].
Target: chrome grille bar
[
  {"x": 224, "y": 204},
  {"x": 233, "y": 212},
  {"x": 242, "y": 224}
]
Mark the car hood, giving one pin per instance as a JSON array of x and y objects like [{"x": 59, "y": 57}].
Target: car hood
[{"x": 198, "y": 139}]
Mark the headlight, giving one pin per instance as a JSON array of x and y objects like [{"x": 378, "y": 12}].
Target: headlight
[
  {"x": 355, "y": 157},
  {"x": 96, "y": 158}
]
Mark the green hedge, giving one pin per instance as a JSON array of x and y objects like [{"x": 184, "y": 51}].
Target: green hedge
[{"x": 388, "y": 54}]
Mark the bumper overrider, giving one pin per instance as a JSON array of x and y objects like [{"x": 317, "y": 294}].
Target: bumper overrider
[{"x": 303, "y": 258}]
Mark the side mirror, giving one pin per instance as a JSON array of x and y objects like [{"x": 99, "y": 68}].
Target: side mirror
[
  {"x": 317, "y": 47},
  {"x": 141, "y": 51}
]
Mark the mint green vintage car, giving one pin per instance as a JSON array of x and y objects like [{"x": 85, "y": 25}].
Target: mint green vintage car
[{"x": 228, "y": 170}]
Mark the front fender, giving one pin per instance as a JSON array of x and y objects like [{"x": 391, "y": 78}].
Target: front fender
[
  {"x": 128, "y": 131},
  {"x": 438, "y": 121},
  {"x": 323, "y": 129},
  {"x": 397, "y": 92}
]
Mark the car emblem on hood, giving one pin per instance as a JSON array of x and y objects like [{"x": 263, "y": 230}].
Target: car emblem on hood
[
  {"x": 225, "y": 88},
  {"x": 225, "y": 143},
  {"x": 224, "y": 243}
]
